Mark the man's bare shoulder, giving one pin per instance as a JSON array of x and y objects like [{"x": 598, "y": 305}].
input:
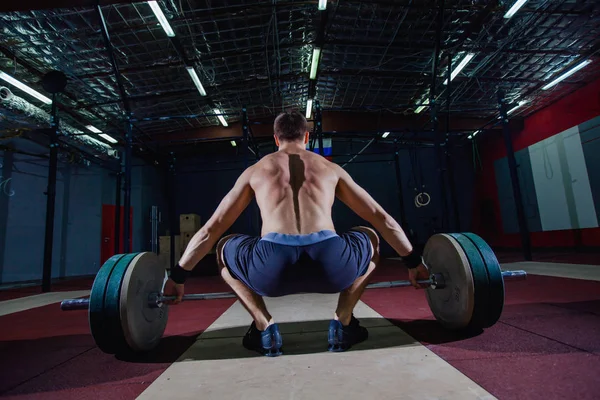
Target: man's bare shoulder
[{"x": 281, "y": 159}]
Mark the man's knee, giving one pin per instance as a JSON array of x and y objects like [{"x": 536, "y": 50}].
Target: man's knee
[{"x": 374, "y": 237}]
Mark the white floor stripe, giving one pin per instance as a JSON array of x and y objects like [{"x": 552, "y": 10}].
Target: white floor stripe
[
  {"x": 389, "y": 365},
  {"x": 574, "y": 271},
  {"x": 38, "y": 300}
]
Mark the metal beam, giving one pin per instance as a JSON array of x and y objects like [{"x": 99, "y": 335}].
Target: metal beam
[
  {"x": 319, "y": 126},
  {"x": 514, "y": 178},
  {"x": 127, "y": 190},
  {"x": 399, "y": 187},
  {"x": 50, "y": 197},
  {"x": 448, "y": 148},
  {"x": 434, "y": 109},
  {"x": 171, "y": 186},
  {"x": 113, "y": 61},
  {"x": 118, "y": 194}
]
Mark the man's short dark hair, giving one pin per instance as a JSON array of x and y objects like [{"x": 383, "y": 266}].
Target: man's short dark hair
[{"x": 290, "y": 126}]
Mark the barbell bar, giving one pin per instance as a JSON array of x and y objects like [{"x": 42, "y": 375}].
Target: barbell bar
[{"x": 436, "y": 281}]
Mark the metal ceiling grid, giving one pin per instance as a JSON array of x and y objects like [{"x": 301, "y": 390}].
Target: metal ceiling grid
[{"x": 376, "y": 55}]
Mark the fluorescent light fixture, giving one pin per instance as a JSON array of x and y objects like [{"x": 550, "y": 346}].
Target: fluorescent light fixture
[
  {"x": 196, "y": 80},
  {"x": 93, "y": 129},
  {"x": 315, "y": 62},
  {"x": 516, "y": 7},
  {"x": 95, "y": 141},
  {"x": 460, "y": 66},
  {"x": 108, "y": 138},
  {"x": 521, "y": 104},
  {"x": 308, "y": 108},
  {"x": 474, "y": 134},
  {"x": 385, "y": 134},
  {"x": 233, "y": 143},
  {"x": 567, "y": 74},
  {"x": 220, "y": 117},
  {"x": 161, "y": 18},
  {"x": 424, "y": 101},
  {"x": 322, "y": 5},
  {"x": 25, "y": 88},
  {"x": 420, "y": 108}
]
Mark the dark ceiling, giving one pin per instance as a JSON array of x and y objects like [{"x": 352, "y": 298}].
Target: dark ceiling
[{"x": 377, "y": 56}]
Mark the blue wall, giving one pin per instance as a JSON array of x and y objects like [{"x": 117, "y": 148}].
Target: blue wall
[{"x": 80, "y": 193}]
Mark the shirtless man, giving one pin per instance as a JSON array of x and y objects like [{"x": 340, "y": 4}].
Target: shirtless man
[{"x": 299, "y": 249}]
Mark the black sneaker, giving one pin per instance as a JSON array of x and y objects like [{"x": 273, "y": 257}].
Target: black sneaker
[
  {"x": 341, "y": 337},
  {"x": 267, "y": 342}
]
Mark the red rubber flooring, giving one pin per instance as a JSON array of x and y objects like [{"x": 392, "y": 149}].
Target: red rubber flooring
[
  {"x": 50, "y": 354},
  {"x": 546, "y": 345}
]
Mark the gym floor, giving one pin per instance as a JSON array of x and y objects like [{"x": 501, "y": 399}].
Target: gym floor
[{"x": 546, "y": 345}]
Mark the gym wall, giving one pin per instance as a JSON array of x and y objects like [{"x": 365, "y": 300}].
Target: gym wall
[
  {"x": 559, "y": 173},
  {"x": 80, "y": 193}
]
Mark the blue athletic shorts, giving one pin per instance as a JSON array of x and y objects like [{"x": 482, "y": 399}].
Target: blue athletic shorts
[{"x": 280, "y": 264}]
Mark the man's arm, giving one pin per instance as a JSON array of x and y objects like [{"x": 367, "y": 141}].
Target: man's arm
[
  {"x": 361, "y": 202},
  {"x": 230, "y": 208}
]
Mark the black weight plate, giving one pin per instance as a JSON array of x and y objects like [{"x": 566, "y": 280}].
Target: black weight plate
[
  {"x": 480, "y": 280},
  {"x": 453, "y": 304},
  {"x": 96, "y": 317},
  {"x": 496, "y": 282},
  {"x": 111, "y": 303}
]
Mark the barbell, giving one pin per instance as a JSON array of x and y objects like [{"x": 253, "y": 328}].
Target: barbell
[{"x": 128, "y": 312}]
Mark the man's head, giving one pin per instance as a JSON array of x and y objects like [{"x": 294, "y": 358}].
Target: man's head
[{"x": 290, "y": 127}]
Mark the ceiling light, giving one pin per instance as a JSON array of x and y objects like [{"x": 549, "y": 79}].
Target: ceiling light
[
  {"x": 233, "y": 143},
  {"x": 308, "y": 108},
  {"x": 196, "y": 80},
  {"x": 93, "y": 129},
  {"x": 108, "y": 137},
  {"x": 385, "y": 134},
  {"x": 315, "y": 62},
  {"x": 521, "y": 104},
  {"x": 460, "y": 67},
  {"x": 424, "y": 101},
  {"x": 91, "y": 139},
  {"x": 24, "y": 88},
  {"x": 473, "y": 134},
  {"x": 322, "y": 5},
  {"x": 220, "y": 117},
  {"x": 567, "y": 74},
  {"x": 420, "y": 108},
  {"x": 516, "y": 7},
  {"x": 161, "y": 18}
]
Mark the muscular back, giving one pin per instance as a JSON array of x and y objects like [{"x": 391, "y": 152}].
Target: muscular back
[{"x": 295, "y": 192}]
